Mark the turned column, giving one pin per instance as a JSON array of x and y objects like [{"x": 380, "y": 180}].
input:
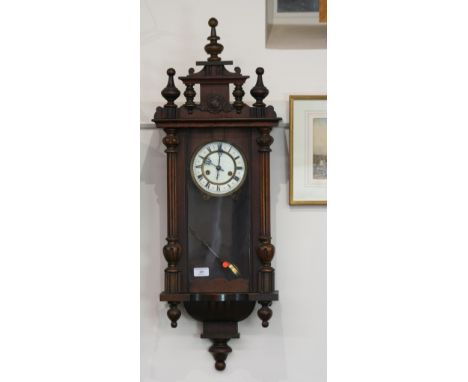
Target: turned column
[
  {"x": 172, "y": 250},
  {"x": 265, "y": 250}
]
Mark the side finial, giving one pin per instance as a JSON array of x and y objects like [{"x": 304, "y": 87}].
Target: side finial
[
  {"x": 213, "y": 48},
  {"x": 259, "y": 91},
  {"x": 170, "y": 92},
  {"x": 238, "y": 93},
  {"x": 190, "y": 94}
]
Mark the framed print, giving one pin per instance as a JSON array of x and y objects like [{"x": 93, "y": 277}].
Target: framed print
[{"x": 308, "y": 149}]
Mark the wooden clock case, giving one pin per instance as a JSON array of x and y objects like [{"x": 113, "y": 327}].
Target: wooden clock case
[{"x": 219, "y": 305}]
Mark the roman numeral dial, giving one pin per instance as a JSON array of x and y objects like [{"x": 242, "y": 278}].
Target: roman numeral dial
[{"x": 218, "y": 168}]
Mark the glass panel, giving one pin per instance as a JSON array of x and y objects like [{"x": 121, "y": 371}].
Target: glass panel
[
  {"x": 218, "y": 232},
  {"x": 298, "y": 5}
]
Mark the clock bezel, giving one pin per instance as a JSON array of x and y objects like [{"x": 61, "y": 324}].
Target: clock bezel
[{"x": 234, "y": 190}]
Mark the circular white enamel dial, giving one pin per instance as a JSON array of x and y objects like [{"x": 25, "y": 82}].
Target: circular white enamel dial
[{"x": 218, "y": 168}]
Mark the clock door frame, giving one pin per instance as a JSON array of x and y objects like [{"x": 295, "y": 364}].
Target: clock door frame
[{"x": 243, "y": 141}]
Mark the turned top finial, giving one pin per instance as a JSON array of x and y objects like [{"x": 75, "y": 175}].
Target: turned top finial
[{"x": 214, "y": 47}]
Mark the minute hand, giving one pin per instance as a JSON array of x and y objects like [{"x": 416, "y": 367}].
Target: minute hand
[{"x": 218, "y": 167}]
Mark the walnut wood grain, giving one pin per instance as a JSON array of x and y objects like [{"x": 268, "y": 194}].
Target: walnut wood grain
[
  {"x": 265, "y": 250},
  {"x": 172, "y": 249}
]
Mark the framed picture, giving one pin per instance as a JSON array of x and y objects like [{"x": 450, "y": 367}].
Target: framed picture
[{"x": 308, "y": 149}]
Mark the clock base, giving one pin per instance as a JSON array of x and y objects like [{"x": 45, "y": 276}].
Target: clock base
[{"x": 220, "y": 320}]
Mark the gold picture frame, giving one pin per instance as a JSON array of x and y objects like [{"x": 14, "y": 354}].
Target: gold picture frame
[{"x": 317, "y": 198}]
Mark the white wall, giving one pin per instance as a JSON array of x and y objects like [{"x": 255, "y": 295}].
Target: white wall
[{"x": 293, "y": 348}]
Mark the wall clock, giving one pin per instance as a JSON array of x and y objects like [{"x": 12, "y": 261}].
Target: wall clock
[{"x": 219, "y": 248}]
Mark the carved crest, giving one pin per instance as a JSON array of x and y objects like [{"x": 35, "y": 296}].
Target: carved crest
[{"x": 216, "y": 104}]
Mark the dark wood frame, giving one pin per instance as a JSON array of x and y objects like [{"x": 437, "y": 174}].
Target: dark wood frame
[{"x": 186, "y": 126}]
